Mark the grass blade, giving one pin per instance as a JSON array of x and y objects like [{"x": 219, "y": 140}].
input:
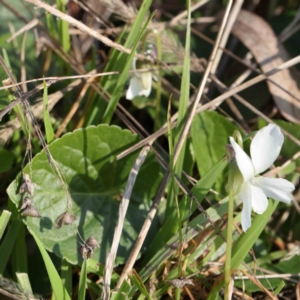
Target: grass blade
[
  {"x": 4, "y": 221},
  {"x": 82, "y": 281},
  {"x": 47, "y": 121},
  {"x": 56, "y": 282},
  {"x": 66, "y": 275},
  {"x": 8, "y": 243},
  {"x": 24, "y": 282}
]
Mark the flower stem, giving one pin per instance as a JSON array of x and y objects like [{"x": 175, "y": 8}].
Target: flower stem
[{"x": 229, "y": 244}]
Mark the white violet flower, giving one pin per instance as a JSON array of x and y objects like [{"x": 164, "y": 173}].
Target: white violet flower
[
  {"x": 140, "y": 83},
  {"x": 264, "y": 149}
]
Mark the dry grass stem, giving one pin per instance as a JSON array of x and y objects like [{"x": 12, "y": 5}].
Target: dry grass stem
[
  {"x": 110, "y": 259},
  {"x": 79, "y": 25}
]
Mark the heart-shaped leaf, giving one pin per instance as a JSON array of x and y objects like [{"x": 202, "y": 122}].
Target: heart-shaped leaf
[{"x": 96, "y": 182}]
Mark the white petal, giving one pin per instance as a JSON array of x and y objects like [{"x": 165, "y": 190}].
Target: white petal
[
  {"x": 243, "y": 161},
  {"x": 135, "y": 88},
  {"x": 146, "y": 79},
  {"x": 245, "y": 196},
  {"x": 265, "y": 147},
  {"x": 275, "y": 188},
  {"x": 258, "y": 199}
]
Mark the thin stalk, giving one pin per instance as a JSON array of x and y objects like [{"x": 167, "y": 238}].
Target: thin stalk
[
  {"x": 228, "y": 244},
  {"x": 158, "y": 87}
]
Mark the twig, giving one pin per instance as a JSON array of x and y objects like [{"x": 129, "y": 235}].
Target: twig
[{"x": 232, "y": 17}]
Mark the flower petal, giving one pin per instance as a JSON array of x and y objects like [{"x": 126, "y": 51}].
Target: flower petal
[
  {"x": 243, "y": 161},
  {"x": 258, "y": 199},
  {"x": 146, "y": 79},
  {"x": 136, "y": 88},
  {"x": 275, "y": 188},
  {"x": 265, "y": 147},
  {"x": 245, "y": 196}
]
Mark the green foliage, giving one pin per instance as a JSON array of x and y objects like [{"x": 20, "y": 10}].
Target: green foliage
[{"x": 188, "y": 236}]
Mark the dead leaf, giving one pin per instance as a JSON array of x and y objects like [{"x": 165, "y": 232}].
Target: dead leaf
[{"x": 257, "y": 35}]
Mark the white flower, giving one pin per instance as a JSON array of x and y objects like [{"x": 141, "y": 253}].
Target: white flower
[
  {"x": 140, "y": 83},
  {"x": 265, "y": 148}
]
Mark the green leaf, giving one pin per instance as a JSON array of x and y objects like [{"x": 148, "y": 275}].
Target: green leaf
[
  {"x": 96, "y": 182},
  {"x": 56, "y": 283},
  {"x": 210, "y": 134}
]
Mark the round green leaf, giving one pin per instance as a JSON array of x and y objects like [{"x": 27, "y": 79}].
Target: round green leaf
[{"x": 96, "y": 182}]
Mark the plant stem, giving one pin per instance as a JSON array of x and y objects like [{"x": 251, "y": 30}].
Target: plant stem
[
  {"x": 158, "y": 87},
  {"x": 229, "y": 244}
]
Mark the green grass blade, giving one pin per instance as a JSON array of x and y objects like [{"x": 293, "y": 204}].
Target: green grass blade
[
  {"x": 63, "y": 27},
  {"x": 50, "y": 25},
  {"x": 66, "y": 275},
  {"x": 19, "y": 258},
  {"x": 4, "y": 221},
  {"x": 82, "y": 281},
  {"x": 24, "y": 282},
  {"x": 47, "y": 122},
  {"x": 123, "y": 78},
  {"x": 137, "y": 281},
  {"x": 8, "y": 242},
  {"x": 122, "y": 292},
  {"x": 184, "y": 92},
  {"x": 182, "y": 112},
  {"x": 279, "y": 288},
  {"x": 243, "y": 245},
  {"x": 56, "y": 282}
]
